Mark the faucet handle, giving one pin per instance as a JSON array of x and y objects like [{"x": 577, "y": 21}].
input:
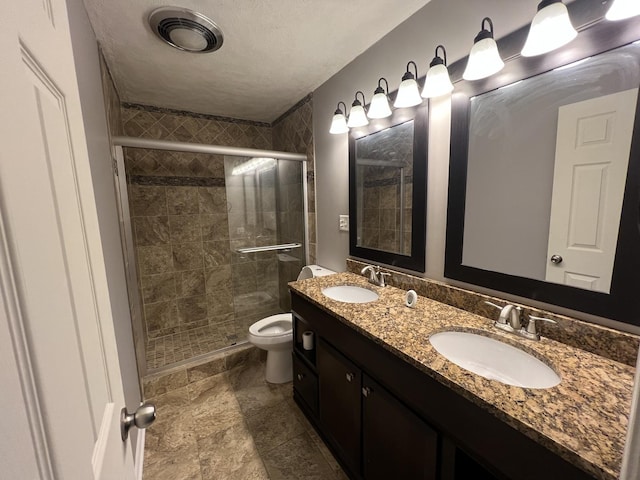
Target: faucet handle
[
  {"x": 381, "y": 280},
  {"x": 531, "y": 331},
  {"x": 493, "y": 305}
]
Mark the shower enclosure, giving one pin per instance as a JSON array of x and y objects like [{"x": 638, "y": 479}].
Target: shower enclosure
[{"x": 210, "y": 249}]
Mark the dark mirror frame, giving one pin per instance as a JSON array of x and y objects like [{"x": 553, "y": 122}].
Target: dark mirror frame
[
  {"x": 415, "y": 261},
  {"x": 623, "y": 301}
]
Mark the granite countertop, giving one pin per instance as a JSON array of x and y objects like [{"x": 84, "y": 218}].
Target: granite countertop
[{"x": 583, "y": 419}]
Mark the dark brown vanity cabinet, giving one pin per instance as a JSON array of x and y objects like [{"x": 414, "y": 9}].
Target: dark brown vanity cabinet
[
  {"x": 396, "y": 443},
  {"x": 373, "y": 434},
  {"x": 339, "y": 384},
  {"x": 384, "y": 418}
]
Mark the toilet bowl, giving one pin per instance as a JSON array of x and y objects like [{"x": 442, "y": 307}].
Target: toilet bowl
[{"x": 275, "y": 335}]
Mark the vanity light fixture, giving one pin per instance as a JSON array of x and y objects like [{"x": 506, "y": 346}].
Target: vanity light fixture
[
  {"x": 357, "y": 115},
  {"x": 379, "y": 107},
  {"x": 408, "y": 92},
  {"x": 484, "y": 58},
  {"x": 621, "y": 9},
  {"x": 550, "y": 29},
  {"x": 339, "y": 122},
  {"x": 437, "y": 82}
]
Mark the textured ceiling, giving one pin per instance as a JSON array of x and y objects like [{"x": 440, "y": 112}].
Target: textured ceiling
[{"x": 274, "y": 52}]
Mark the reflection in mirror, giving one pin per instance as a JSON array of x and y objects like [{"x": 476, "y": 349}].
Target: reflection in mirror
[
  {"x": 387, "y": 189},
  {"x": 384, "y": 184},
  {"x": 546, "y": 173},
  {"x": 513, "y": 148}
]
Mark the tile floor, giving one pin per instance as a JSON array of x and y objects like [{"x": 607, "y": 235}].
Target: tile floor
[{"x": 234, "y": 425}]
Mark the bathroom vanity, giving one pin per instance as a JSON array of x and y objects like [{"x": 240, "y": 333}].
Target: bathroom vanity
[{"x": 389, "y": 406}]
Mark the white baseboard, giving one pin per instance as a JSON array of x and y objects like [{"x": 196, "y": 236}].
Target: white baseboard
[{"x": 139, "y": 460}]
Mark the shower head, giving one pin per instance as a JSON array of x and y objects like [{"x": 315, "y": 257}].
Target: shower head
[{"x": 185, "y": 29}]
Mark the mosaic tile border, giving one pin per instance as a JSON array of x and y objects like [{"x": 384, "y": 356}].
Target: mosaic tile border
[
  {"x": 609, "y": 343},
  {"x": 162, "y": 181},
  {"x": 386, "y": 182},
  {"x": 307, "y": 98}
]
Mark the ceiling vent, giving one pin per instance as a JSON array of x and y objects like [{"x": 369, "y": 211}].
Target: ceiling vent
[{"x": 185, "y": 29}]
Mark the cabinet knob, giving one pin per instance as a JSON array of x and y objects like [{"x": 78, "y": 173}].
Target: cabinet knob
[
  {"x": 366, "y": 391},
  {"x": 349, "y": 377},
  {"x": 300, "y": 376}
]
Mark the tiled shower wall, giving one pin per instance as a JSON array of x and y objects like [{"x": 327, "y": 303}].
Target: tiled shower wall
[{"x": 181, "y": 224}]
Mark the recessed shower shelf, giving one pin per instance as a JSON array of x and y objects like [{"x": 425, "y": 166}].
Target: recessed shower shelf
[{"x": 268, "y": 248}]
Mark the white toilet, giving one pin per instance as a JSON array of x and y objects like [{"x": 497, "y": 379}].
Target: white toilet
[{"x": 275, "y": 335}]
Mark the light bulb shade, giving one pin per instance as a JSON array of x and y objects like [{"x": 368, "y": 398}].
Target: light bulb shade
[
  {"x": 357, "y": 117},
  {"x": 379, "y": 107},
  {"x": 622, "y": 9},
  {"x": 408, "y": 94},
  {"x": 338, "y": 124},
  {"x": 437, "y": 82},
  {"x": 484, "y": 60},
  {"x": 550, "y": 29}
]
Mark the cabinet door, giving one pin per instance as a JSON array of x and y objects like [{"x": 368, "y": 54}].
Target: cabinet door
[
  {"x": 395, "y": 442},
  {"x": 305, "y": 384},
  {"x": 339, "y": 392}
]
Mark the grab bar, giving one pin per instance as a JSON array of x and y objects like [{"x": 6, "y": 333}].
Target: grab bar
[{"x": 268, "y": 248}]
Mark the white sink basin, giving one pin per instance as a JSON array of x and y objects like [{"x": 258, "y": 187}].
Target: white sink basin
[
  {"x": 350, "y": 294},
  {"x": 494, "y": 359}
]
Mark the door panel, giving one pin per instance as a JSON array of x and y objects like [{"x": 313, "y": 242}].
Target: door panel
[
  {"x": 592, "y": 155},
  {"x": 57, "y": 327}
]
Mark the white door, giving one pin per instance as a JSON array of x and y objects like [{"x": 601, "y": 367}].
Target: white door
[
  {"x": 59, "y": 373},
  {"x": 592, "y": 155}
]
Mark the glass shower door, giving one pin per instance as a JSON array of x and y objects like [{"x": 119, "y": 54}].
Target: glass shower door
[{"x": 266, "y": 235}]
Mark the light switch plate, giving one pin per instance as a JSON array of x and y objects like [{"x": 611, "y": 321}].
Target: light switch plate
[{"x": 344, "y": 223}]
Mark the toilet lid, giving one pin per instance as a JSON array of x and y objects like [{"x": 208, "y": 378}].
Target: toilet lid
[{"x": 279, "y": 324}]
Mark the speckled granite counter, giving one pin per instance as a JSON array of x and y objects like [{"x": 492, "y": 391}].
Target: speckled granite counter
[{"x": 583, "y": 419}]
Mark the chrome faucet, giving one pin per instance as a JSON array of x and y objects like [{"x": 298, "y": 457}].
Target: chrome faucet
[
  {"x": 510, "y": 321},
  {"x": 376, "y": 276}
]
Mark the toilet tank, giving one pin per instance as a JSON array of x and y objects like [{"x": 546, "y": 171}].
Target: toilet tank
[{"x": 310, "y": 271}]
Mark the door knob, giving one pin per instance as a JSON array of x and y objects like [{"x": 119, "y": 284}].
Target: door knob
[
  {"x": 144, "y": 416},
  {"x": 557, "y": 259}
]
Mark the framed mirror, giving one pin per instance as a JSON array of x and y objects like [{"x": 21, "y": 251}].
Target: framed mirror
[
  {"x": 544, "y": 176},
  {"x": 387, "y": 189}
]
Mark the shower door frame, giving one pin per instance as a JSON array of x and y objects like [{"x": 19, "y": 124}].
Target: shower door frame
[{"x": 126, "y": 230}]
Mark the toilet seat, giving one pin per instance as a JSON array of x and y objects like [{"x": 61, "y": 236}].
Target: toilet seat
[{"x": 273, "y": 329}]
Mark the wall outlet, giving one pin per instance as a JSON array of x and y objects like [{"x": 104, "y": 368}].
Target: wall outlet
[{"x": 344, "y": 223}]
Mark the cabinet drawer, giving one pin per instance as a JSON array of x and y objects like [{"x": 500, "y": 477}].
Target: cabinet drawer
[{"x": 305, "y": 383}]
